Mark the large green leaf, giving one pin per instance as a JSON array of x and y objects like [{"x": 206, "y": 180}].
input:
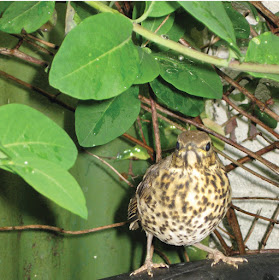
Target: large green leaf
[
  {"x": 149, "y": 68},
  {"x": 240, "y": 24},
  {"x": 213, "y": 15},
  {"x": 27, "y": 15},
  {"x": 97, "y": 59},
  {"x": 177, "y": 100},
  {"x": 52, "y": 181},
  {"x": 195, "y": 78},
  {"x": 25, "y": 132},
  {"x": 264, "y": 49},
  {"x": 98, "y": 123},
  {"x": 162, "y": 8}
]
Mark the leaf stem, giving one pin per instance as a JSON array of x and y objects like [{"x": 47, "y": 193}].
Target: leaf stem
[
  {"x": 233, "y": 64},
  {"x": 145, "y": 14}
]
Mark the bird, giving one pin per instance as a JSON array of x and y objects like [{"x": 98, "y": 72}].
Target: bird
[{"x": 182, "y": 199}]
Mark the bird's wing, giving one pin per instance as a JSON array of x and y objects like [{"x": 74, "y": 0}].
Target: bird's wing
[
  {"x": 133, "y": 214},
  {"x": 143, "y": 190}
]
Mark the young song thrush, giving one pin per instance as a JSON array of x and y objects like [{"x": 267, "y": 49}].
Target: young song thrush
[{"x": 183, "y": 198}]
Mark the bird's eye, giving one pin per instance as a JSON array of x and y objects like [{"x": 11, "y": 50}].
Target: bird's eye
[
  {"x": 177, "y": 145},
  {"x": 207, "y": 147}
]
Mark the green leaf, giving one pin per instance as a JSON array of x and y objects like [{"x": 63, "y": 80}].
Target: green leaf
[
  {"x": 25, "y": 132},
  {"x": 264, "y": 49},
  {"x": 175, "y": 33},
  {"x": 265, "y": 118},
  {"x": 162, "y": 8},
  {"x": 153, "y": 23},
  {"x": 176, "y": 99},
  {"x": 195, "y": 78},
  {"x": 135, "y": 152},
  {"x": 240, "y": 25},
  {"x": 28, "y": 15},
  {"x": 196, "y": 254},
  {"x": 98, "y": 123},
  {"x": 214, "y": 16},
  {"x": 252, "y": 10},
  {"x": 149, "y": 68},
  {"x": 101, "y": 61},
  {"x": 52, "y": 181},
  {"x": 4, "y": 5},
  {"x": 168, "y": 133},
  {"x": 83, "y": 10}
]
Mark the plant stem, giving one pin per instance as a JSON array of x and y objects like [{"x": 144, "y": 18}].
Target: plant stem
[
  {"x": 145, "y": 14},
  {"x": 61, "y": 230},
  {"x": 235, "y": 65}
]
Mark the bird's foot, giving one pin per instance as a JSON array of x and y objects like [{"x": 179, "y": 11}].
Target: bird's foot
[
  {"x": 219, "y": 256},
  {"x": 148, "y": 267}
]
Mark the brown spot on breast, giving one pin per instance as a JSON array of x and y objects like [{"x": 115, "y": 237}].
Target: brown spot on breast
[
  {"x": 172, "y": 205},
  {"x": 165, "y": 215},
  {"x": 213, "y": 183},
  {"x": 204, "y": 200},
  {"x": 180, "y": 186},
  {"x": 164, "y": 176},
  {"x": 148, "y": 199}
]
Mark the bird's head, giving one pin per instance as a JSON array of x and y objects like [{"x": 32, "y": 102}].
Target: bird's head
[{"x": 193, "y": 149}]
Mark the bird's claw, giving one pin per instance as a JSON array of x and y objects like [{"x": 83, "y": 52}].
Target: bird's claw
[
  {"x": 219, "y": 256},
  {"x": 148, "y": 267}
]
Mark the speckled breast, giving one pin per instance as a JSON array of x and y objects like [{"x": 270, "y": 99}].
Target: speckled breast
[{"x": 183, "y": 207}]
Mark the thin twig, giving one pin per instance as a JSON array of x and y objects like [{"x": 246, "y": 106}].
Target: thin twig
[
  {"x": 226, "y": 232},
  {"x": 245, "y": 168},
  {"x": 23, "y": 56},
  {"x": 248, "y": 158},
  {"x": 34, "y": 44},
  {"x": 165, "y": 119},
  {"x": 254, "y": 252},
  {"x": 251, "y": 229},
  {"x": 143, "y": 138},
  {"x": 157, "y": 29},
  {"x": 261, "y": 105},
  {"x": 269, "y": 164},
  {"x": 135, "y": 140},
  {"x": 119, "y": 8},
  {"x": 254, "y": 215},
  {"x": 48, "y": 44},
  {"x": 266, "y": 12},
  {"x": 269, "y": 229},
  {"x": 222, "y": 242},
  {"x": 185, "y": 254},
  {"x": 252, "y": 118},
  {"x": 232, "y": 219},
  {"x": 163, "y": 256},
  {"x": 50, "y": 96},
  {"x": 255, "y": 197},
  {"x": 156, "y": 130},
  {"x": 18, "y": 45},
  {"x": 61, "y": 230},
  {"x": 111, "y": 167}
]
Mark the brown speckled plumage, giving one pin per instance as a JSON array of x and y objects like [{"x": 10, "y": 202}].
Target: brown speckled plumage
[{"x": 183, "y": 198}]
